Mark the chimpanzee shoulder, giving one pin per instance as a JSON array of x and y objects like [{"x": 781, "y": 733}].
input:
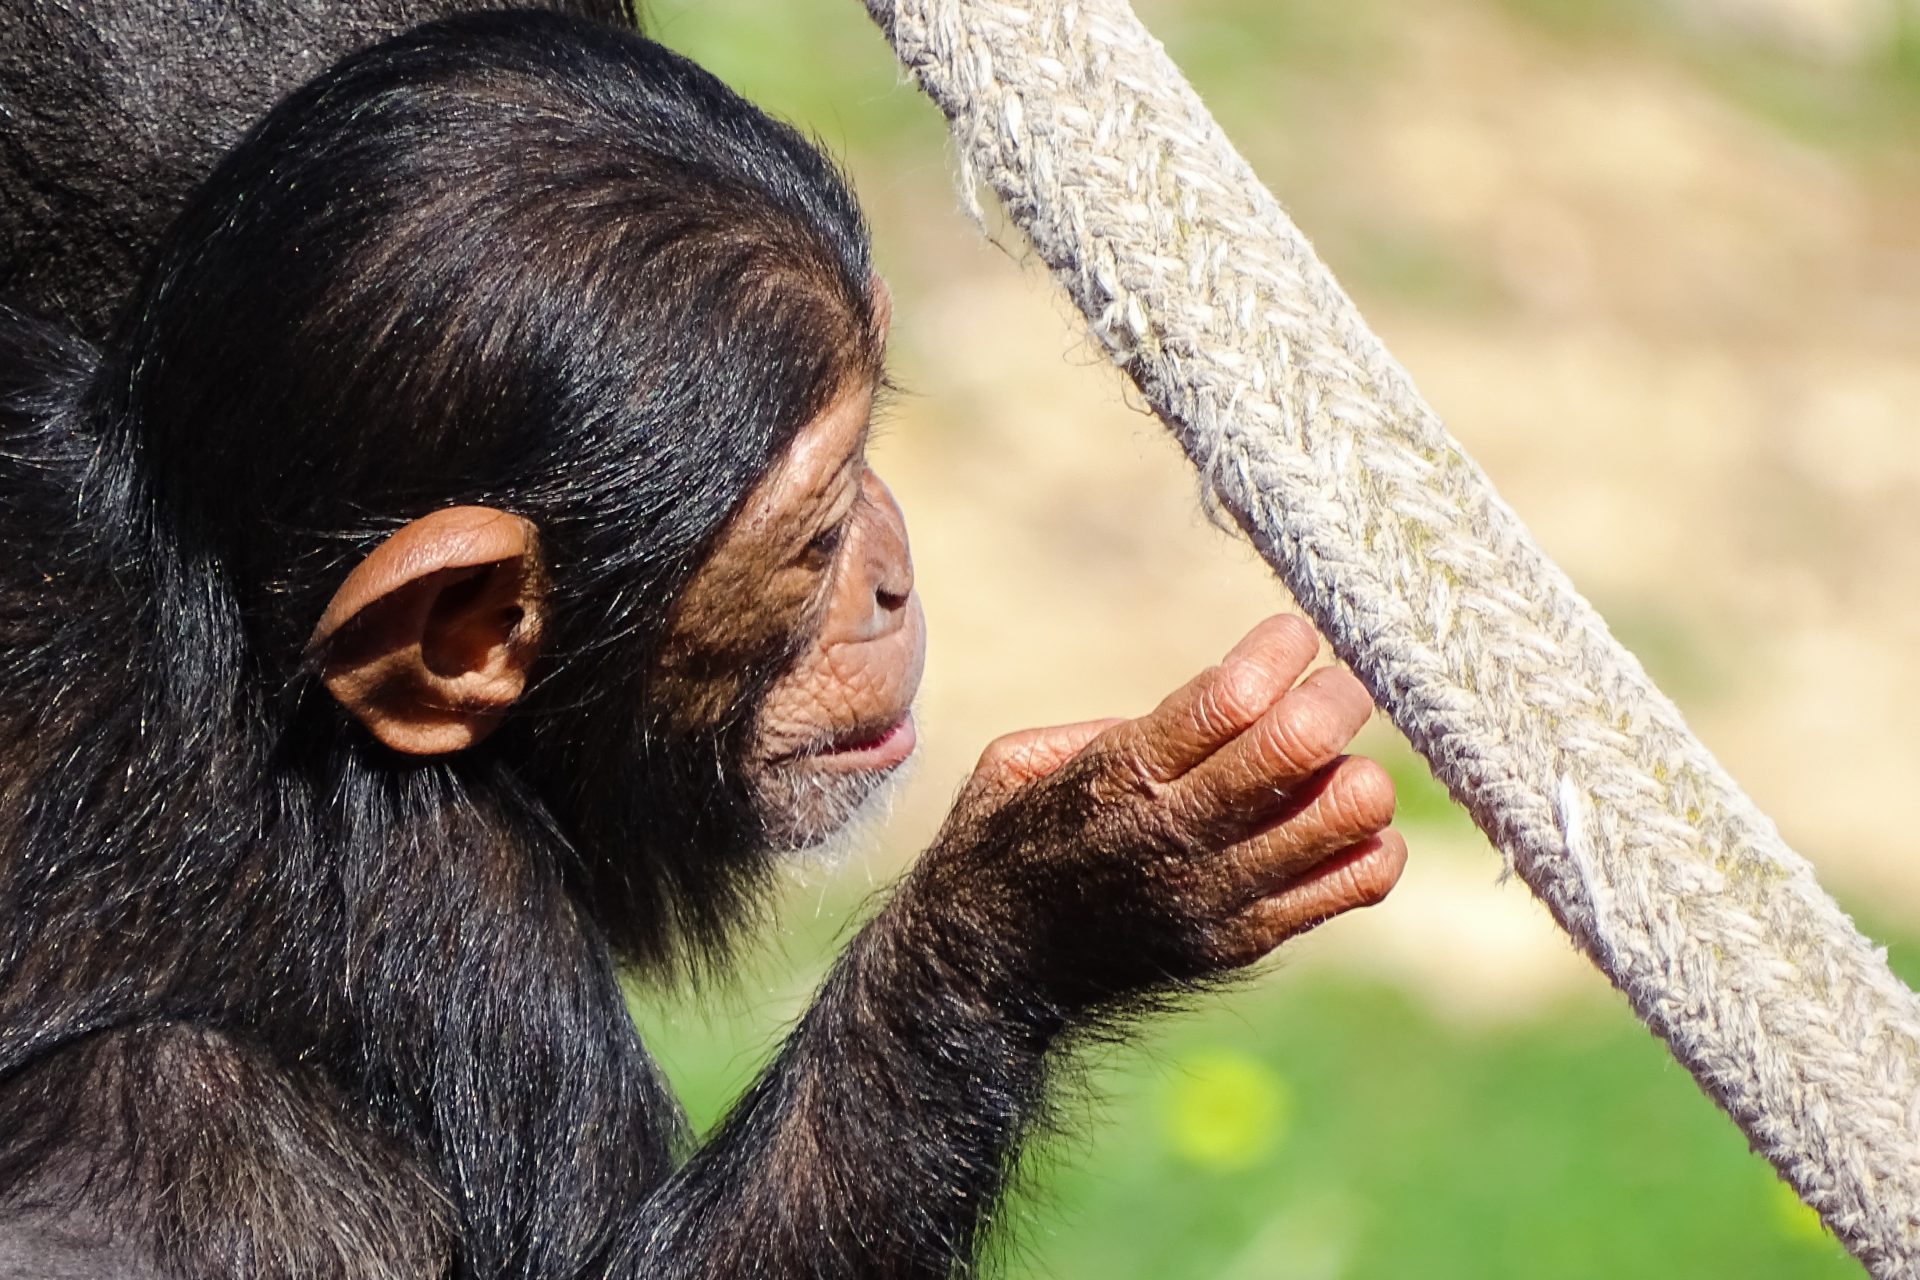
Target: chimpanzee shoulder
[{"x": 117, "y": 109}]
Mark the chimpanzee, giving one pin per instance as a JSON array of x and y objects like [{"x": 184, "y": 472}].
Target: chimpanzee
[
  {"x": 112, "y": 111},
  {"x": 458, "y": 574}
]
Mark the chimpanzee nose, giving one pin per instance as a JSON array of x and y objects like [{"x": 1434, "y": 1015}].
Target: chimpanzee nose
[{"x": 889, "y": 561}]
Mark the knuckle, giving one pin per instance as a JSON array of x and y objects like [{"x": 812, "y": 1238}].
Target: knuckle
[
  {"x": 1139, "y": 844},
  {"x": 1122, "y": 777},
  {"x": 1238, "y": 878},
  {"x": 1300, "y": 737},
  {"x": 1232, "y": 696},
  {"x": 1362, "y": 796},
  {"x": 1216, "y": 812}
]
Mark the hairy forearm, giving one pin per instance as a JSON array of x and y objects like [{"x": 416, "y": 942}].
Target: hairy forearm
[{"x": 880, "y": 1139}]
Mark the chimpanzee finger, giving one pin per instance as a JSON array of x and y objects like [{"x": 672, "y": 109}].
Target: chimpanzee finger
[
  {"x": 1219, "y": 704},
  {"x": 1348, "y": 801},
  {"x": 1250, "y": 779},
  {"x": 1359, "y": 876},
  {"x": 1015, "y": 759}
]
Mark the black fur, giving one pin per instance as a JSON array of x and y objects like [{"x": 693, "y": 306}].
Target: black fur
[{"x": 113, "y": 111}]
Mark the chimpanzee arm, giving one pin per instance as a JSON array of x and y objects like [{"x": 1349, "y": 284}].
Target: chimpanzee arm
[
  {"x": 879, "y": 1140},
  {"x": 170, "y": 1151},
  {"x": 1084, "y": 871}
]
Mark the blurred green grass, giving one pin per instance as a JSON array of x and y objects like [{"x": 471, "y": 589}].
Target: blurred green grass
[{"x": 1336, "y": 1128}]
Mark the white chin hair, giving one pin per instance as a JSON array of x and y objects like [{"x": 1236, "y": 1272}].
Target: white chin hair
[{"x": 823, "y": 819}]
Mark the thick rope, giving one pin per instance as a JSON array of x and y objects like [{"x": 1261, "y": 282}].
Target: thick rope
[{"x": 1483, "y": 653}]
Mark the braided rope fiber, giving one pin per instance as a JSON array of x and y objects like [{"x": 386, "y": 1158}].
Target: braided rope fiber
[{"x": 1429, "y": 587}]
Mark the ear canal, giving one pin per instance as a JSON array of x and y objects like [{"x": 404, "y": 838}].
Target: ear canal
[
  {"x": 429, "y": 641},
  {"x": 474, "y": 621}
]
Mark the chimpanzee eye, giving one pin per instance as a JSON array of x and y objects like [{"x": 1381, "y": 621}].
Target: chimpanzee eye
[{"x": 819, "y": 552}]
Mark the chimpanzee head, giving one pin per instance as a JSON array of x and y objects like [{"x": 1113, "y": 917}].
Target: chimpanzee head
[{"x": 499, "y": 411}]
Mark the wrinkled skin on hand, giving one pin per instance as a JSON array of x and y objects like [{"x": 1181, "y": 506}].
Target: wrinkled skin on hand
[{"x": 1114, "y": 857}]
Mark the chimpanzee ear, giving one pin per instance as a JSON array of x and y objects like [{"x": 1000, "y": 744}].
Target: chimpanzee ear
[{"x": 428, "y": 641}]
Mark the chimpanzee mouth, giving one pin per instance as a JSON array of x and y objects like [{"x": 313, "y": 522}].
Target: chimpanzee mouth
[
  {"x": 813, "y": 798},
  {"x": 871, "y": 748}
]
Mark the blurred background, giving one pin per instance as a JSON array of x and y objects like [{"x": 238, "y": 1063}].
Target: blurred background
[{"x": 1657, "y": 262}]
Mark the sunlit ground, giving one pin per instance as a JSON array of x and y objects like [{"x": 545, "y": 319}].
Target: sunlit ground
[{"x": 1658, "y": 264}]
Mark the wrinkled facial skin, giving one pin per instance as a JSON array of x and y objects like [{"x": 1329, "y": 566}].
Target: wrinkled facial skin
[{"x": 819, "y": 550}]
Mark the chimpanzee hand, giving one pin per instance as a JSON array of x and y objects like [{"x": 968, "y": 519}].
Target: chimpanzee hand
[{"x": 1091, "y": 862}]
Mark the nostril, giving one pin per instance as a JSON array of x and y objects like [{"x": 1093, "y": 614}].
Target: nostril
[{"x": 891, "y": 600}]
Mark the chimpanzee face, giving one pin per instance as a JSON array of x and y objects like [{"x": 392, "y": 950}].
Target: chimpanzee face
[
  {"x": 818, "y": 551},
  {"x": 431, "y": 638}
]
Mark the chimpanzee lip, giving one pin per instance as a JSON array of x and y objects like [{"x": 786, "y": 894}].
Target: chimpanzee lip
[{"x": 871, "y": 746}]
